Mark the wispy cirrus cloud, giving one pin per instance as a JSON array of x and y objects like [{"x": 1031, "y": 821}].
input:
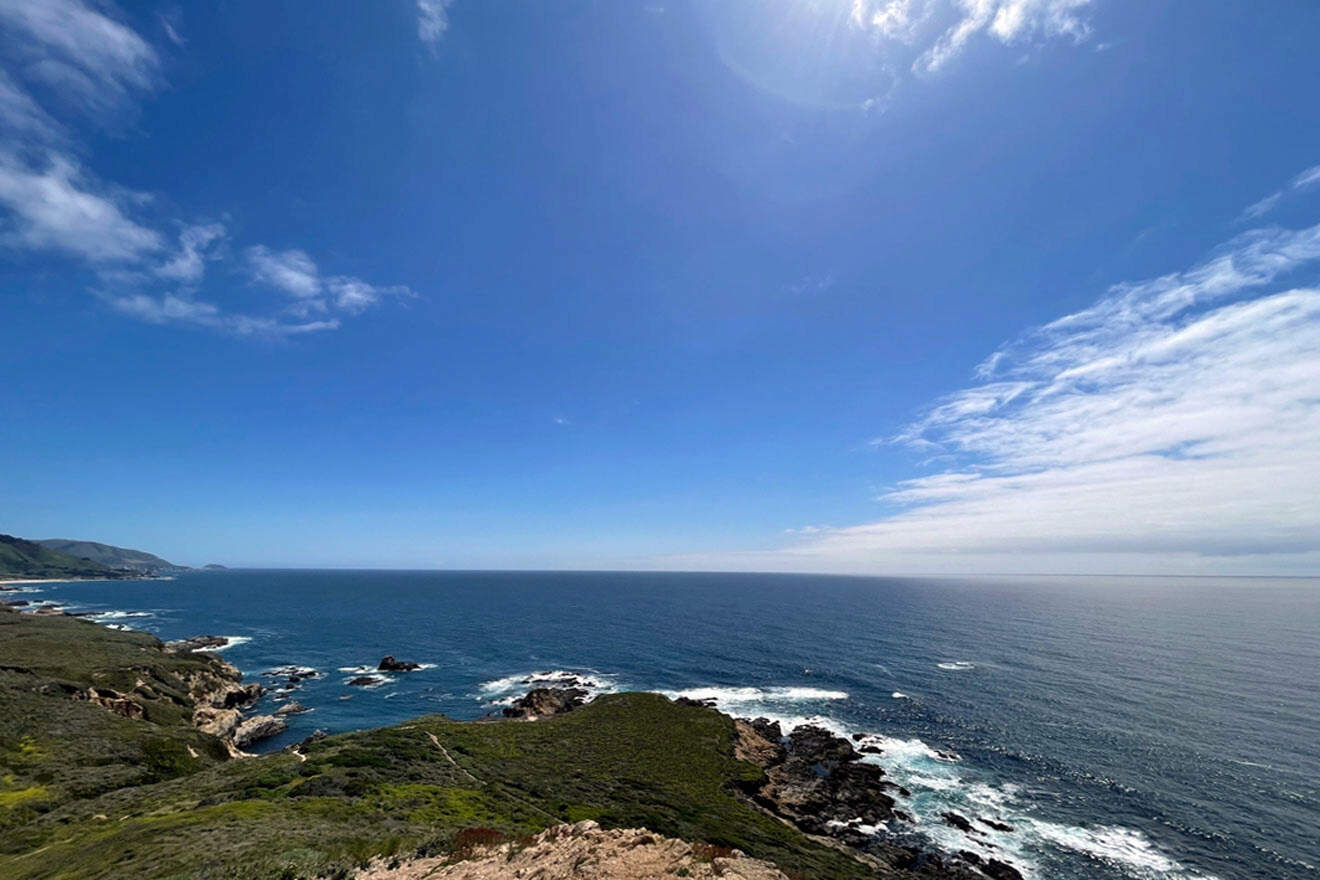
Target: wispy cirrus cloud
[
  {"x": 940, "y": 30},
  {"x": 432, "y": 20},
  {"x": 1308, "y": 178},
  {"x": 68, "y": 64},
  {"x": 1170, "y": 427}
]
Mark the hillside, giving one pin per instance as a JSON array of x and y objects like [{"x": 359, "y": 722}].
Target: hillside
[
  {"x": 112, "y": 557},
  {"x": 20, "y": 558},
  {"x": 106, "y": 791}
]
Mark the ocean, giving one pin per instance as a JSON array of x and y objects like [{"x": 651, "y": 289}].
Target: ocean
[{"x": 1157, "y": 728}]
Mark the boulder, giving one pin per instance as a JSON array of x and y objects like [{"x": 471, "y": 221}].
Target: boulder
[
  {"x": 293, "y": 707},
  {"x": 365, "y": 681},
  {"x": 389, "y": 664}
]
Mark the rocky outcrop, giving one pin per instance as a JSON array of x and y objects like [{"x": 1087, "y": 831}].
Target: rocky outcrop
[
  {"x": 816, "y": 779},
  {"x": 389, "y": 664},
  {"x": 196, "y": 643},
  {"x": 293, "y": 707},
  {"x": 579, "y": 852},
  {"x": 257, "y": 728},
  {"x": 107, "y": 698},
  {"x": 545, "y": 702}
]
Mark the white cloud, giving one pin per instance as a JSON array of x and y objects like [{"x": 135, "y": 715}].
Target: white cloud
[
  {"x": 942, "y": 29},
  {"x": 174, "y": 308},
  {"x": 1305, "y": 179},
  {"x": 82, "y": 54},
  {"x": 291, "y": 271},
  {"x": 54, "y": 208},
  {"x": 1170, "y": 427},
  {"x": 189, "y": 263},
  {"x": 353, "y": 295},
  {"x": 64, "y": 63},
  {"x": 294, "y": 272},
  {"x": 432, "y": 20}
]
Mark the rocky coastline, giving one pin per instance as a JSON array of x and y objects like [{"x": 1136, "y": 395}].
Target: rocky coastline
[
  {"x": 817, "y": 781},
  {"x": 830, "y": 789}
]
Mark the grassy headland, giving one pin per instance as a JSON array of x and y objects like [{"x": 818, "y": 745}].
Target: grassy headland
[{"x": 86, "y": 792}]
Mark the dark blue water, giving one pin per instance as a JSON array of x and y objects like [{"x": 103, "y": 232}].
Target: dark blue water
[{"x": 1126, "y": 727}]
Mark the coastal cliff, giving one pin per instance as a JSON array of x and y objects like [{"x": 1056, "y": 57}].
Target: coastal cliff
[{"x": 107, "y": 775}]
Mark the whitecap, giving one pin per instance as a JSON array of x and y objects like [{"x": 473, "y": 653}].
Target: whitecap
[
  {"x": 503, "y": 691},
  {"x": 899, "y": 695},
  {"x": 1126, "y": 848},
  {"x": 737, "y": 697},
  {"x": 118, "y": 615},
  {"x": 957, "y": 665},
  {"x": 231, "y": 641}
]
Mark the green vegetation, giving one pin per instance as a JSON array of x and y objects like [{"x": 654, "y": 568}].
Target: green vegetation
[
  {"x": 28, "y": 559},
  {"x": 112, "y": 557},
  {"x": 86, "y": 793}
]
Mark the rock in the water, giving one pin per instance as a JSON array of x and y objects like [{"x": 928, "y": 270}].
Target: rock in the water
[
  {"x": 293, "y": 707},
  {"x": 998, "y": 826},
  {"x": 365, "y": 681},
  {"x": 389, "y": 664},
  {"x": 197, "y": 643},
  {"x": 257, "y": 728},
  {"x": 957, "y": 821},
  {"x": 545, "y": 702}
]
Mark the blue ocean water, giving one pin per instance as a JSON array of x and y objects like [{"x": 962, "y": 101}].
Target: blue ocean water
[{"x": 1157, "y": 728}]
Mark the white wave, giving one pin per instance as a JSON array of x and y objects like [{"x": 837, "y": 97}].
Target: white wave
[
  {"x": 738, "y": 697},
  {"x": 119, "y": 615},
  {"x": 1125, "y": 848},
  {"x": 899, "y": 695},
  {"x": 957, "y": 665},
  {"x": 502, "y": 691},
  {"x": 291, "y": 669},
  {"x": 231, "y": 641},
  {"x": 358, "y": 670}
]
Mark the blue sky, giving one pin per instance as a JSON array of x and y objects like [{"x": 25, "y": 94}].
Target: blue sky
[{"x": 880, "y": 286}]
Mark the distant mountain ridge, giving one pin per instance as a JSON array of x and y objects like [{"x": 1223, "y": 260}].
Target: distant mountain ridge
[
  {"x": 20, "y": 558},
  {"x": 111, "y": 556}
]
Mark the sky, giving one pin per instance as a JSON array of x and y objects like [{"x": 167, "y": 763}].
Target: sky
[{"x": 876, "y": 286}]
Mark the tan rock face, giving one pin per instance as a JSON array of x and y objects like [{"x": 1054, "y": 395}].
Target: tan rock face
[
  {"x": 750, "y": 746},
  {"x": 584, "y": 852}
]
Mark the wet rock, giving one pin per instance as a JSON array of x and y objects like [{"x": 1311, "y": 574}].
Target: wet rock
[
  {"x": 364, "y": 681},
  {"x": 998, "y": 870},
  {"x": 957, "y": 821},
  {"x": 293, "y": 707},
  {"x": 871, "y": 750},
  {"x": 389, "y": 664},
  {"x": 969, "y": 857},
  {"x": 998, "y": 826},
  {"x": 545, "y": 702}
]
